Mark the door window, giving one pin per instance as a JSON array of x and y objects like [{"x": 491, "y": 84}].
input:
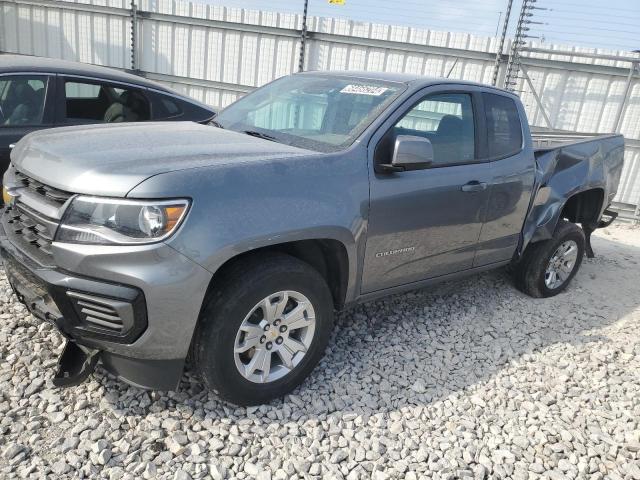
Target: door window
[
  {"x": 22, "y": 100},
  {"x": 444, "y": 119},
  {"x": 96, "y": 102},
  {"x": 504, "y": 132},
  {"x": 168, "y": 107}
]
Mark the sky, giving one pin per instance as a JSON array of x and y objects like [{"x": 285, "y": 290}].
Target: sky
[{"x": 610, "y": 24}]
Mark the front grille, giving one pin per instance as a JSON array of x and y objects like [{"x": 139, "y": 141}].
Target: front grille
[
  {"x": 30, "y": 228},
  {"x": 55, "y": 195},
  {"x": 32, "y": 220},
  {"x": 114, "y": 316}
]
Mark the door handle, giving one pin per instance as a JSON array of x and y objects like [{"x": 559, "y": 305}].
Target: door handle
[{"x": 474, "y": 186}]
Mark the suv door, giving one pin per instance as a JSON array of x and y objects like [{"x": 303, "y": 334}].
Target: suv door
[
  {"x": 426, "y": 223},
  {"x": 26, "y": 104}
]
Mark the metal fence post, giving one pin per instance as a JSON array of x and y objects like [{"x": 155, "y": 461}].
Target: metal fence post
[
  {"x": 134, "y": 36},
  {"x": 303, "y": 36},
  {"x": 496, "y": 67},
  {"x": 625, "y": 97}
]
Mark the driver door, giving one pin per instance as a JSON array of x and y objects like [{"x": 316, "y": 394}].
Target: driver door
[{"x": 426, "y": 223}]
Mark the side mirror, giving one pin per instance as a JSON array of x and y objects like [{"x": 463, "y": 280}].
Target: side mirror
[{"x": 410, "y": 153}]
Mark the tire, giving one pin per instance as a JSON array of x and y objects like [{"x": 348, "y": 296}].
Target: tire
[
  {"x": 531, "y": 275},
  {"x": 244, "y": 287}
]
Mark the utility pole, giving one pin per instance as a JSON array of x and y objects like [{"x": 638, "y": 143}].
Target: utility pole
[
  {"x": 496, "y": 67},
  {"x": 303, "y": 37}
]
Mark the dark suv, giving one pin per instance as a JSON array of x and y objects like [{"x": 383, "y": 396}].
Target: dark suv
[{"x": 37, "y": 93}]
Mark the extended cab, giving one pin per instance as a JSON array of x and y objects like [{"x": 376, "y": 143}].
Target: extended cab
[{"x": 234, "y": 243}]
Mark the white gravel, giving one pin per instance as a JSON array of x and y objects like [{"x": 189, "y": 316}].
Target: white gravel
[{"x": 467, "y": 380}]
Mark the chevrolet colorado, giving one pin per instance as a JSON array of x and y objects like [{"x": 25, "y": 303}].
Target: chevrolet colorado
[{"x": 233, "y": 244}]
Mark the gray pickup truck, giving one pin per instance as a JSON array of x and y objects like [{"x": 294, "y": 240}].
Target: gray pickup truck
[{"x": 233, "y": 244}]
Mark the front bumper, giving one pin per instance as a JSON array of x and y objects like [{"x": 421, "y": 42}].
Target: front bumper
[{"x": 152, "y": 351}]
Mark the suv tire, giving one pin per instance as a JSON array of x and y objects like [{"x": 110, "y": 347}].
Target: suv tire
[
  {"x": 245, "y": 320},
  {"x": 547, "y": 267}
]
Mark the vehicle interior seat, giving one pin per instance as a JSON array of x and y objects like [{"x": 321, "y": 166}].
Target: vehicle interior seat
[
  {"x": 28, "y": 109},
  {"x": 130, "y": 107},
  {"x": 447, "y": 142}
]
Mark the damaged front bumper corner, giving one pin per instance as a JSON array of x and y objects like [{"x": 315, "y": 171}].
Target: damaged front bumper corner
[
  {"x": 45, "y": 293},
  {"x": 75, "y": 365}
]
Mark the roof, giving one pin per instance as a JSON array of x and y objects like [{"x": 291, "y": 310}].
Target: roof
[
  {"x": 406, "y": 78},
  {"x": 26, "y": 63}
]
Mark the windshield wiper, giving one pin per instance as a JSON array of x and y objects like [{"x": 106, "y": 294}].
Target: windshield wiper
[
  {"x": 215, "y": 123},
  {"x": 264, "y": 136}
]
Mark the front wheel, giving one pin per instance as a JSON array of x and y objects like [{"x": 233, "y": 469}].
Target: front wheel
[
  {"x": 264, "y": 329},
  {"x": 547, "y": 267}
]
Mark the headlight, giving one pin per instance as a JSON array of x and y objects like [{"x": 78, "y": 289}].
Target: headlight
[{"x": 106, "y": 221}]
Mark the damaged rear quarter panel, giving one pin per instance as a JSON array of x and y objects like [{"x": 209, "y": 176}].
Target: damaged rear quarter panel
[{"x": 567, "y": 170}]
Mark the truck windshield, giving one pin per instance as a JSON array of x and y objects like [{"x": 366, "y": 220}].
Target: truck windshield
[{"x": 315, "y": 112}]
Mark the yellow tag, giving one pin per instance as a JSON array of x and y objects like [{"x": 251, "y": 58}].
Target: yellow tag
[{"x": 336, "y": 2}]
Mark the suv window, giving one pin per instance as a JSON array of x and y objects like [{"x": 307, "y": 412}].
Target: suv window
[
  {"x": 504, "y": 131},
  {"x": 447, "y": 121},
  {"x": 22, "y": 99},
  {"x": 169, "y": 107},
  {"x": 96, "y": 102}
]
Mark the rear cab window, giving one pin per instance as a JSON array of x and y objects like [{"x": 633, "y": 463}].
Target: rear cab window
[{"x": 504, "y": 130}]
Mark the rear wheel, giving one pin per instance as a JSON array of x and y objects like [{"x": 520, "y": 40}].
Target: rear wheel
[
  {"x": 547, "y": 267},
  {"x": 264, "y": 329}
]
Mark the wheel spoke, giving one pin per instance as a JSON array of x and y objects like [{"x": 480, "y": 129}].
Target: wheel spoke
[
  {"x": 249, "y": 342},
  {"x": 296, "y": 318},
  {"x": 294, "y": 346},
  {"x": 281, "y": 305},
  {"x": 251, "y": 330},
  {"x": 571, "y": 253},
  {"x": 287, "y": 356},
  {"x": 261, "y": 360},
  {"x": 567, "y": 267},
  {"x": 268, "y": 309},
  {"x": 266, "y": 366},
  {"x": 562, "y": 274},
  {"x": 274, "y": 310}
]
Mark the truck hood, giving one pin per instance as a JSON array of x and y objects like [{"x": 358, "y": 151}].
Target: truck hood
[{"x": 112, "y": 159}]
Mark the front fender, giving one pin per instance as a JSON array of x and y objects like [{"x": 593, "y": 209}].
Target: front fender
[{"x": 239, "y": 208}]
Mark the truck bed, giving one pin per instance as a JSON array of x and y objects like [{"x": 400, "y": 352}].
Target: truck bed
[
  {"x": 544, "y": 141},
  {"x": 567, "y": 164}
]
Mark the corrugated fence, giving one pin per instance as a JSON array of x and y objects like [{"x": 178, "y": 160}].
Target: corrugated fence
[{"x": 217, "y": 54}]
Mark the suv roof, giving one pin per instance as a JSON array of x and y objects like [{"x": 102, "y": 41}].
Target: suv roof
[{"x": 28, "y": 64}]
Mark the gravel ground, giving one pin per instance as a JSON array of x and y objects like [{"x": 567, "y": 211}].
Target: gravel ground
[{"x": 470, "y": 379}]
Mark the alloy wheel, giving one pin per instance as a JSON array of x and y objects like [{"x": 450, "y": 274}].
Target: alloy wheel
[
  {"x": 274, "y": 336},
  {"x": 561, "y": 264}
]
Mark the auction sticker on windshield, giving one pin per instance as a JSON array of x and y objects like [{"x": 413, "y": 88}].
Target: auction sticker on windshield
[{"x": 364, "y": 90}]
